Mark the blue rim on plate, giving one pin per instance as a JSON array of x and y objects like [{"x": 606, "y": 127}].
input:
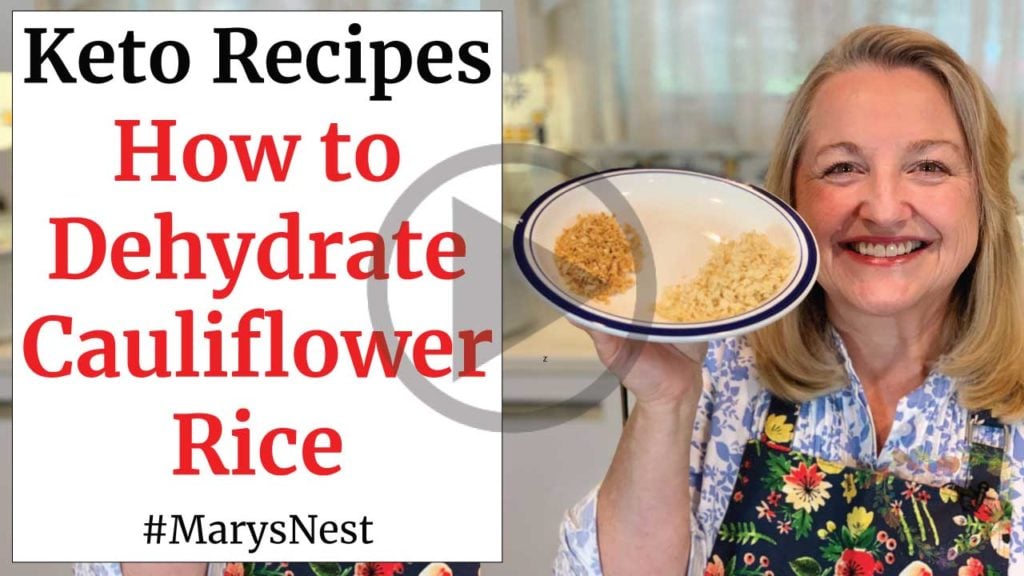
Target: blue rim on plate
[{"x": 786, "y": 299}]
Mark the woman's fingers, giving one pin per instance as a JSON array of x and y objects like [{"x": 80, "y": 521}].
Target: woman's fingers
[
  {"x": 695, "y": 351},
  {"x": 606, "y": 345},
  {"x": 652, "y": 371},
  {"x": 609, "y": 348}
]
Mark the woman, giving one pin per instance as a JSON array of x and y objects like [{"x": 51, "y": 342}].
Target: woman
[
  {"x": 863, "y": 433},
  {"x": 280, "y": 569}
]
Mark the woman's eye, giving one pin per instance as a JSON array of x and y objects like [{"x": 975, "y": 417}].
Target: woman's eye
[
  {"x": 932, "y": 167},
  {"x": 840, "y": 168}
]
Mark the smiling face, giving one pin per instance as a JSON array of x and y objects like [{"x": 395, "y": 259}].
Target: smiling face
[{"x": 885, "y": 183}]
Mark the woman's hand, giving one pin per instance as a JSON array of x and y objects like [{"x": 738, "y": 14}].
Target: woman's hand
[{"x": 657, "y": 374}]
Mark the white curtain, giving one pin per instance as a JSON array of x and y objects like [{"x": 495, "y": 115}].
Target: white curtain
[{"x": 713, "y": 75}]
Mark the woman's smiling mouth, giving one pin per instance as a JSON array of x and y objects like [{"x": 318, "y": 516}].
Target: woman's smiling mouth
[{"x": 891, "y": 251}]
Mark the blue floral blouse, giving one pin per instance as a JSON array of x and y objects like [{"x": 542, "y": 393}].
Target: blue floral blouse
[{"x": 927, "y": 444}]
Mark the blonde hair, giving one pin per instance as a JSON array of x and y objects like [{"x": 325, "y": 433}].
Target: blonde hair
[{"x": 983, "y": 335}]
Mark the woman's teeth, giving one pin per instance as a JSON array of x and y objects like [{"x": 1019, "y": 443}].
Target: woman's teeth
[{"x": 889, "y": 250}]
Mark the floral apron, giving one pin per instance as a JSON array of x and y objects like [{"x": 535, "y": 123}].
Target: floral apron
[
  {"x": 796, "y": 514},
  {"x": 352, "y": 569}
]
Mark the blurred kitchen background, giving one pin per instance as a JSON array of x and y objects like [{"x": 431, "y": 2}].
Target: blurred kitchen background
[{"x": 590, "y": 85}]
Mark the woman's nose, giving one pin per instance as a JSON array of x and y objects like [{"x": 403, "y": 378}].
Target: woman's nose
[{"x": 884, "y": 201}]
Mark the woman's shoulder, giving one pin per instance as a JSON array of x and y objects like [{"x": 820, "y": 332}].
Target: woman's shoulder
[
  {"x": 730, "y": 367},
  {"x": 734, "y": 389},
  {"x": 735, "y": 399}
]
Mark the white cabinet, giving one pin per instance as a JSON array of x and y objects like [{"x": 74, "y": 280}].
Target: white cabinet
[
  {"x": 546, "y": 472},
  {"x": 552, "y": 457},
  {"x": 7, "y": 568}
]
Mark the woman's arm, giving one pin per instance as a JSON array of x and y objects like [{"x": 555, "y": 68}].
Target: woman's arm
[
  {"x": 643, "y": 506},
  {"x": 163, "y": 569}
]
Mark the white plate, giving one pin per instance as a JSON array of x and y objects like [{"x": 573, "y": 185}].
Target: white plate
[{"x": 679, "y": 216}]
